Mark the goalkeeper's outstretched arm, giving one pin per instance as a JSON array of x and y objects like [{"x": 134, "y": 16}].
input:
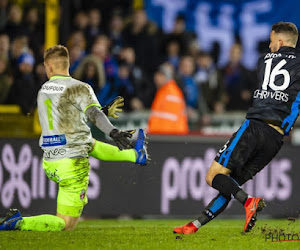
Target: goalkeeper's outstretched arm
[{"x": 98, "y": 117}]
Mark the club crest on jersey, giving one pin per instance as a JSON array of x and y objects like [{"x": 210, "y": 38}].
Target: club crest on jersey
[{"x": 82, "y": 194}]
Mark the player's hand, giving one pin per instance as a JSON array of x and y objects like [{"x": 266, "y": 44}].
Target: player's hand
[
  {"x": 121, "y": 138},
  {"x": 114, "y": 107}
]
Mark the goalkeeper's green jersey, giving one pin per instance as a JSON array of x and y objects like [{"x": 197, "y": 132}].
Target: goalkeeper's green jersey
[{"x": 62, "y": 102}]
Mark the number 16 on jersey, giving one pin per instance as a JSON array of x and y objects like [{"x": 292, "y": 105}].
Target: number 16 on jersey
[{"x": 269, "y": 77}]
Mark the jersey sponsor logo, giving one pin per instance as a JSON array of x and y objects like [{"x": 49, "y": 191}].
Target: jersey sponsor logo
[
  {"x": 275, "y": 55},
  {"x": 276, "y": 95},
  {"x": 51, "y": 88},
  {"x": 55, "y": 152},
  {"x": 54, "y": 140}
]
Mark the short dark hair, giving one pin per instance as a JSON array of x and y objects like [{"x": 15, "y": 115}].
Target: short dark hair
[
  {"x": 57, "y": 51},
  {"x": 287, "y": 28},
  {"x": 180, "y": 17}
]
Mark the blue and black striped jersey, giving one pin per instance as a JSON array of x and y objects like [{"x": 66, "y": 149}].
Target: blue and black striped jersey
[{"x": 278, "y": 97}]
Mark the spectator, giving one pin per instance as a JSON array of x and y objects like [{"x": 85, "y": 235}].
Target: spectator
[
  {"x": 208, "y": 80},
  {"x": 40, "y": 76},
  {"x": 76, "y": 56},
  {"x": 76, "y": 45},
  {"x": 239, "y": 82},
  {"x": 22, "y": 91},
  {"x": 189, "y": 87},
  {"x": 91, "y": 71},
  {"x": 81, "y": 22},
  {"x": 32, "y": 20},
  {"x": 6, "y": 79},
  {"x": 168, "y": 110},
  {"x": 3, "y": 13},
  {"x": 116, "y": 26},
  {"x": 93, "y": 29},
  {"x": 14, "y": 26},
  {"x": 119, "y": 85},
  {"x": 4, "y": 45},
  {"x": 144, "y": 88},
  {"x": 193, "y": 48},
  {"x": 125, "y": 87},
  {"x": 141, "y": 35},
  {"x": 101, "y": 50},
  {"x": 77, "y": 38},
  {"x": 35, "y": 31},
  {"x": 173, "y": 53},
  {"x": 179, "y": 33},
  {"x": 18, "y": 46}
]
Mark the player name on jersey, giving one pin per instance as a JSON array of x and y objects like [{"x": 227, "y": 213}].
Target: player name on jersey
[
  {"x": 52, "y": 88},
  {"x": 276, "y": 95}
]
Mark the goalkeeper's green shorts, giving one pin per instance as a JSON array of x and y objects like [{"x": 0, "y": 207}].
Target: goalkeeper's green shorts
[{"x": 72, "y": 176}]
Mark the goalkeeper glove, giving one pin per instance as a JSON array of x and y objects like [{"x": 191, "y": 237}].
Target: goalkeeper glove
[
  {"x": 121, "y": 138},
  {"x": 114, "y": 107}
]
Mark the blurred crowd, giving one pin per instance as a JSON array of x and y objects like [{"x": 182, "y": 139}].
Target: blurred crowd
[{"x": 121, "y": 58}]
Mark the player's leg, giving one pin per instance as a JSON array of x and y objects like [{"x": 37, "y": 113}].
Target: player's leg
[
  {"x": 218, "y": 176},
  {"x": 72, "y": 176},
  {"x": 255, "y": 148},
  {"x": 214, "y": 208},
  {"x": 107, "y": 152},
  {"x": 253, "y": 205},
  {"x": 211, "y": 211},
  {"x": 270, "y": 142},
  {"x": 232, "y": 158},
  {"x": 70, "y": 221},
  {"x": 220, "y": 202},
  {"x": 45, "y": 222}
]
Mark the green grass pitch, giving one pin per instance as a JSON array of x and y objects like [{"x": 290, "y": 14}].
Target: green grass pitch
[{"x": 155, "y": 234}]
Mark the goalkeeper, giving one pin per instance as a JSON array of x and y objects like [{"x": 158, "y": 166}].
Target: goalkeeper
[{"x": 64, "y": 104}]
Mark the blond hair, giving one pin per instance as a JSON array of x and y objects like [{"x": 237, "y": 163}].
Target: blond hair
[{"x": 58, "y": 52}]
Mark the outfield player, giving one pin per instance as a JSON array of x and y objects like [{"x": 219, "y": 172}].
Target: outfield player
[
  {"x": 64, "y": 104},
  {"x": 274, "y": 111}
]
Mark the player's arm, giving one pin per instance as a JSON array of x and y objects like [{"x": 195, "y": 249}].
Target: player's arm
[
  {"x": 88, "y": 103},
  {"x": 98, "y": 117},
  {"x": 114, "y": 107}
]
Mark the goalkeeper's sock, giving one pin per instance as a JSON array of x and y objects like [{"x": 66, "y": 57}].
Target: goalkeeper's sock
[
  {"x": 212, "y": 210},
  {"x": 45, "y": 222},
  {"x": 106, "y": 152},
  {"x": 228, "y": 186}
]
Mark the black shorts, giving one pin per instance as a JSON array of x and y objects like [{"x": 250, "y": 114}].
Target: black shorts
[{"x": 250, "y": 149}]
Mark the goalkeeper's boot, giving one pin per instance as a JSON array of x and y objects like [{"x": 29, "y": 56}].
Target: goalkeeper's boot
[
  {"x": 252, "y": 207},
  {"x": 141, "y": 148},
  {"x": 189, "y": 228},
  {"x": 11, "y": 221}
]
